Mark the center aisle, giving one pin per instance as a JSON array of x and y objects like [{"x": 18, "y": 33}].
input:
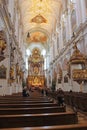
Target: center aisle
[{"x": 35, "y": 94}]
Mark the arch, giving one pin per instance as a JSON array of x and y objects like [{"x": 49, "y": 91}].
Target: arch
[
  {"x": 39, "y": 29},
  {"x": 44, "y": 32}
]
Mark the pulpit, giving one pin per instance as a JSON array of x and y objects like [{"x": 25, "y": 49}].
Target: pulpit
[{"x": 77, "y": 64}]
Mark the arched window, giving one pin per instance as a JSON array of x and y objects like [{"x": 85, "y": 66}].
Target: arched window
[
  {"x": 73, "y": 1},
  {"x": 73, "y": 20}
]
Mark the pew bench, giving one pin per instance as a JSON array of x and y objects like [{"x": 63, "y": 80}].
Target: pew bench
[
  {"x": 27, "y": 105},
  {"x": 24, "y": 102},
  {"x": 10, "y": 111},
  {"x": 23, "y": 98},
  {"x": 64, "y": 127},
  {"x": 33, "y": 120}
]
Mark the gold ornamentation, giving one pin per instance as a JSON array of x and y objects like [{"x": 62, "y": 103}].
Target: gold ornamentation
[
  {"x": 12, "y": 73},
  {"x": 17, "y": 69},
  {"x": 79, "y": 74},
  {"x": 38, "y": 19},
  {"x": 2, "y": 42},
  {"x": 36, "y": 81},
  {"x": 21, "y": 74},
  {"x": 36, "y": 37},
  {"x": 77, "y": 57},
  {"x": 3, "y": 70}
]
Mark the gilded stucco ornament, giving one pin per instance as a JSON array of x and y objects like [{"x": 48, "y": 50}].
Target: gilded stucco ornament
[
  {"x": 2, "y": 42},
  {"x": 2, "y": 45},
  {"x": 77, "y": 57},
  {"x": 79, "y": 75}
]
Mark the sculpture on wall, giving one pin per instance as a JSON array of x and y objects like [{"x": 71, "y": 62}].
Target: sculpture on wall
[
  {"x": 2, "y": 72},
  {"x": 77, "y": 57},
  {"x": 66, "y": 79},
  {"x": 21, "y": 74},
  {"x": 17, "y": 69},
  {"x": 2, "y": 44},
  {"x": 12, "y": 73}
]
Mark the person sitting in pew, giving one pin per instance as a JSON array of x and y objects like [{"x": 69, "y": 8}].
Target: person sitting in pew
[
  {"x": 25, "y": 92},
  {"x": 60, "y": 97}
]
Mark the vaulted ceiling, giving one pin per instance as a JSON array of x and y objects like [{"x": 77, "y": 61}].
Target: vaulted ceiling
[{"x": 39, "y": 19}]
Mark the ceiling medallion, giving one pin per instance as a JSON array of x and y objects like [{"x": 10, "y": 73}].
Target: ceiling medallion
[{"x": 38, "y": 19}]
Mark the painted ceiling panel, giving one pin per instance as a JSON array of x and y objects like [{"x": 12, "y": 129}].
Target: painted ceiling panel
[{"x": 46, "y": 10}]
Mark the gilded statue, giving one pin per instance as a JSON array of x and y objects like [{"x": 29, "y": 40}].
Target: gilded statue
[
  {"x": 2, "y": 42},
  {"x": 12, "y": 72},
  {"x": 2, "y": 46},
  {"x": 77, "y": 57}
]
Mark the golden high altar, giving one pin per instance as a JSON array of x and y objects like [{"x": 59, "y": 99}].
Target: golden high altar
[
  {"x": 36, "y": 76},
  {"x": 36, "y": 81}
]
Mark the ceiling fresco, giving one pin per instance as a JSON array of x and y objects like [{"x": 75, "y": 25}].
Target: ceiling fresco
[
  {"x": 36, "y": 37},
  {"x": 41, "y": 14}
]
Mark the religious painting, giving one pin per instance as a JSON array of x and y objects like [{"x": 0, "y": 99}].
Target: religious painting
[
  {"x": 38, "y": 19},
  {"x": 36, "y": 70},
  {"x": 59, "y": 81},
  {"x": 3, "y": 72},
  {"x": 73, "y": 20},
  {"x": 65, "y": 79},
  {"x": 36, "y": 37}
]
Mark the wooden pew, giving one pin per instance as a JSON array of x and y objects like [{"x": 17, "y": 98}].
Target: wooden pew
[
  {"x": 24, "y": 102},
  {"x": 77, "y": 100},
  {"x": 64, "y": 127},
  {"x": 31, "y": 120},
  {"x": 27, "y": 105},
  {"x": 23, "y": 98},
  {"x": 12, "y": 111}
]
